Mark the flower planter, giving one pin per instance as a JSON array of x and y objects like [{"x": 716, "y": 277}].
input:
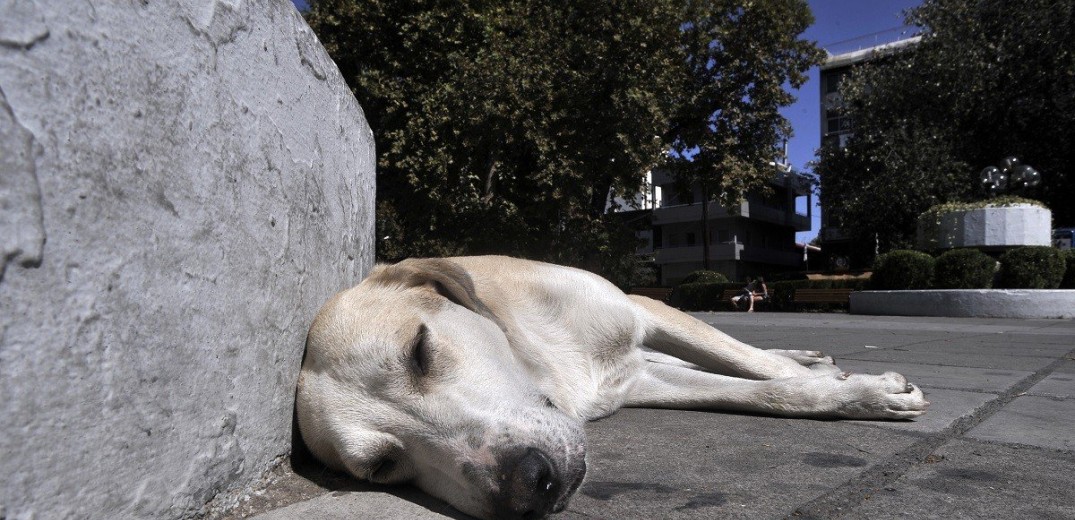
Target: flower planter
[{"x": 988, "y": 228}]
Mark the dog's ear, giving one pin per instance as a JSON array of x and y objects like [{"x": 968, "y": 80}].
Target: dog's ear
[{"x": 444, "y": 277}]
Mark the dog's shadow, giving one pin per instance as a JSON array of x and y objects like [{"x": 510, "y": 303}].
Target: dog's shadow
[{"x": 306, "y": 466}]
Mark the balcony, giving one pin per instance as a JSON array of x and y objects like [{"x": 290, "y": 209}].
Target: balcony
[
  {"x": 772, "y": 256},
  {"x": 728, "y": 251},
  {"x": 693, "y": 213},
  {"x": 673, "y": 255},
  {"x": 776, "y": 216},
  {"x": 687, "y": 213}
]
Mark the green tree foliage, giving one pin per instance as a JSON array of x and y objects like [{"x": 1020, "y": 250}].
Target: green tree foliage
[
  {"x": 727, "y": 126},
  {"x": 503, "y": 125},
  {"x": 990, "y": 78}
]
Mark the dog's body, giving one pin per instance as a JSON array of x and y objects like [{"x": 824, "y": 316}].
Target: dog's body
[{"x": 472, "y": 377}]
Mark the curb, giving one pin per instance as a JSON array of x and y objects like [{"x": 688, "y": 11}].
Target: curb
[{"x": 968, "y": 303}]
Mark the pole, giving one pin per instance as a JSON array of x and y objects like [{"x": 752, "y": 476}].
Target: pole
[{"x": 705, "y": 226}]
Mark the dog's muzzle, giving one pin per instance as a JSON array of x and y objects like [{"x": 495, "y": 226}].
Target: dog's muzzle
[{"x": 531, "y": 487}]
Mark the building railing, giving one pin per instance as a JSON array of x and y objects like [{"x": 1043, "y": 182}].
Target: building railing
[
  {"x": 728, "y": 251},
  {"x": 693, "y": 212},
  {"x": 717, "y": 252}
]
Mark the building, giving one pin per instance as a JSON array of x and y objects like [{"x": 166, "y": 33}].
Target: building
[
  {"x": 757, "y": 237},
  {"x": 836, "y": 127}
]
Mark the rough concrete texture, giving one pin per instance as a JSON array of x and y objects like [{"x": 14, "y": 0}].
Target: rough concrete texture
[
  {"x": 183, "y": 184},
  {"x": 967, "y": 303}
]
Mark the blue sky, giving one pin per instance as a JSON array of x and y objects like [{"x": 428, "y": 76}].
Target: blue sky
[{"x": 839, "y": 26}]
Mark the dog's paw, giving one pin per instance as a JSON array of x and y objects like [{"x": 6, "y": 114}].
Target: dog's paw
[
  {"x": 887, "y": 396},
  {"x": 812, "y": 359}
]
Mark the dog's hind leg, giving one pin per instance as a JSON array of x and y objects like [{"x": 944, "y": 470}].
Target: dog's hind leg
[
  {"x": 675, "y": 333},
  {"x": 859, "y": 396}
]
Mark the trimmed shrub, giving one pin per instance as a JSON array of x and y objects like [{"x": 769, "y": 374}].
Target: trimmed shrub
[
  {"x": 1069, "y": 272},
  {"x": 902, "y": 270},
  {"x": 1033, "y": 267},
  {"x": 707, "y": 296},
  {"x": 703, "y": 276},
  {"x": 964, "y": 269},
  {"x": 690, "y": 294},
  {"x": 701, "y": 296}
]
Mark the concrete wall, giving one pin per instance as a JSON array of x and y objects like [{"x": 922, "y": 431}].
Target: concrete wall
[
  {"x": 967, "y": 303},
  {"x": 182, "y": 184},
  {"x": 990, "y": 228}
]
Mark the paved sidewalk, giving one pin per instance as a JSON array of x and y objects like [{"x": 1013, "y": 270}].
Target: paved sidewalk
[{"x": 998, "y": 441}]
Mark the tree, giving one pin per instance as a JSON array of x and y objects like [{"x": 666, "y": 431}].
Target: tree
[
  {"x": 727, "y": 125},
  {"x": 504, "y": 125},
  {"x": 990, "y": 78}
]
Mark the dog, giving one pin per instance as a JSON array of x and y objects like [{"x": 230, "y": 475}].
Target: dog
[{"x": 472, "y": 377}]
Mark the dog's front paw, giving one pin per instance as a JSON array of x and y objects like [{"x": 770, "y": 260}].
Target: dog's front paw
[
  {"x": 887, "y": 396},
  {"x": 812, "y": 359}
]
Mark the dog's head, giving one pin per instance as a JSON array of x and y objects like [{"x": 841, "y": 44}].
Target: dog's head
[{"x": 409, "y": 378}]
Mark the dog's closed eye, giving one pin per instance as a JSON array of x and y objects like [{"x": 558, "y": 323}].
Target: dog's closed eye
[
  {"x": 381, "y": 471},
  {"x": 420, "y": 353}
]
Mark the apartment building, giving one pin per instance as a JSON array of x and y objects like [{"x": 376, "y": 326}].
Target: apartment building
[
  {"x": 754, "y": 238},
  {"x": 837, "y": 127}
]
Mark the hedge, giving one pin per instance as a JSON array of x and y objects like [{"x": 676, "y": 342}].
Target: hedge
[
  {"x": 1033, "y": 267},
  {"x": 703, "y": 276},
  {"x": 964, "y": 269},
  {"x": 702, "y": 296},
  {"x": 1069, "y": 271},
  {"x": 707, "y": 296},
  {"x": 902, "y": 270}
]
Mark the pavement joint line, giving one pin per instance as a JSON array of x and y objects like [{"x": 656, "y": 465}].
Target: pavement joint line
[{"x": 843, "y": 499}]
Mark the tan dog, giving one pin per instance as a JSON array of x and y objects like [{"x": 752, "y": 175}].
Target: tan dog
[{"x": 472, "y": 378}]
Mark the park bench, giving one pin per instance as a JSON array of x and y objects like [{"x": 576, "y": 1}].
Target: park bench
[
  {"x": 657, "y": 293},
  {"x": 728, "y": 294},
  {"x": 841, "y": 295}
]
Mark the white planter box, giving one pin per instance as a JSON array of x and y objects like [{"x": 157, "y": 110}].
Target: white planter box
[
  {"x": 967, "y": 303},
  {"x": 989, "y": 228}
]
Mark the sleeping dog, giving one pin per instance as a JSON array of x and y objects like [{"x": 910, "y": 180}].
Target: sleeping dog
[{"x": 472, "y": 378}]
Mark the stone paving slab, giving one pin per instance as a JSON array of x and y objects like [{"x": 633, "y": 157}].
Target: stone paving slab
[
  {"x": 990, "y": 361},
  {"x": 902, "y": 324},
  {"x": 936, "y": 376},
  {"x": 1038, "y": 421},
  {"x": 373, "y": 505},
  {"x": 945, "y": 408},
  {"x": 1061, "y": 383},
  {"x": 964, "y": 480},
  {"x": 675, "y": 464},
  {"x": 837, "y": 344},
  {"x": 1026, "y": 346}
]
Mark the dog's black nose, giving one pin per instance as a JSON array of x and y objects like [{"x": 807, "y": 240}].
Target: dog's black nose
[{"x": 529, "y": 486}]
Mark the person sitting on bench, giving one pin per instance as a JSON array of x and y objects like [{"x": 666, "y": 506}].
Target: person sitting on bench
[{"x": 752, "y": 294}]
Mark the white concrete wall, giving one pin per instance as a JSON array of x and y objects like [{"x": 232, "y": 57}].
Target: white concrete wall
[
  {"x": 182, "y": 185},
  {"x": 967, "y": 303},
  {"x": 991, "y": 227}
]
